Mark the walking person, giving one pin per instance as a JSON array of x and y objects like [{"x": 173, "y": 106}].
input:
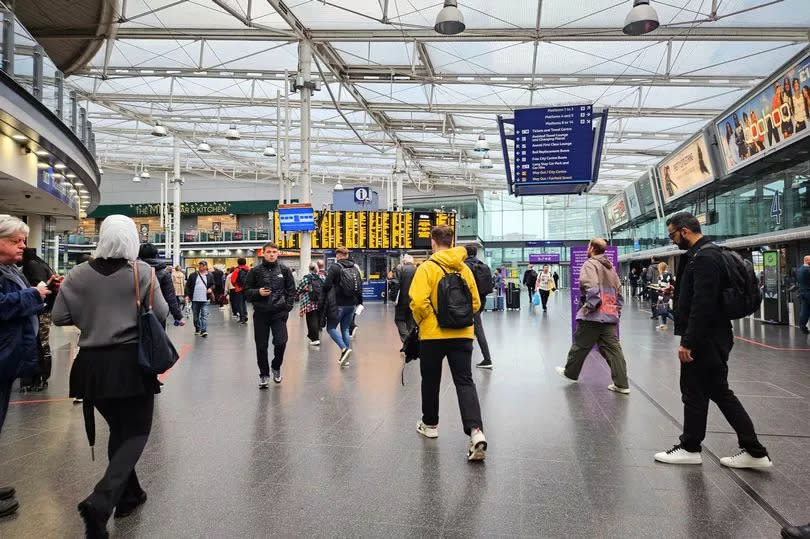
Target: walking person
[
  {"x": 706, "y": 341},
  {"x": 179, "y": 283},
  {"x": 270, "y": 288},
  {"x": 229, "y": 292},
  {"x": 98, "y": 297},
  {"x": 403, "y": 318},
  {"x": 219, "y": 286},
  {"x": 238, "y": 281},
  {"x": 148, "y": 253},
  {"x": 310, "y": 295},
  {"x": 199, "y": 291},
  {"x": 556, "y": 277},
  {"x": 20, "y": 306},
  {"x": 344, "y": 278},
  {"x": 441, "y": 287},
  {"x": 598, "y": 319},
  {"x": 803, "y": 280},
  {"x": 543, "y": 287},
  {"x": 633, "y": 282},
  {"x": 38, "y": 271},
  {"x": 483, "y": 282},
  {"x": 652, "y": 280},
  {"x": 529, "y": 280}
]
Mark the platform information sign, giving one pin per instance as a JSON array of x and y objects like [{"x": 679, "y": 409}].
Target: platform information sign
[
  {"x": 553, "y": 145},
  {"x": 544, "y": 258}
]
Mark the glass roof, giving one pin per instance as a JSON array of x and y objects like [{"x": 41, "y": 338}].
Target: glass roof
[{"x": 201, "y": 66}]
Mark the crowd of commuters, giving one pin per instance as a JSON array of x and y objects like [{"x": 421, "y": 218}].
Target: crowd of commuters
[{"x": 439, "y": 301}]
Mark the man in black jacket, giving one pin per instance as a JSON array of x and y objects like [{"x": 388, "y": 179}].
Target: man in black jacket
[
  {"x": 199, "y": 291},
  {"x": 270, "y": 287},
  {"x": 529, "y": 280},
  {"x": 403, "y": 316},
  {"x": 483, "y": 290},
  {"x": 37, "y": 271},
  {"x": 345, "y": 279},
  {"x": 706, "y": 341},
  {"x": 148, "y": 253}
]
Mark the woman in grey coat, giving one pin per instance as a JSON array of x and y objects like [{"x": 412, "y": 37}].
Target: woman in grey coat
[{"x": 98, "y": 297}]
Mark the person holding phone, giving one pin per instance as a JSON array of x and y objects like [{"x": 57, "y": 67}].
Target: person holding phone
[{"x": 270, "y": 288}]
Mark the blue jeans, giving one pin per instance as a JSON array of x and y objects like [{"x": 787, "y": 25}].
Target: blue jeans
[
  {"x": 804, "y": 313},
  {"x": 345, "y": 315},
  {"x": 200, "y": 310}
]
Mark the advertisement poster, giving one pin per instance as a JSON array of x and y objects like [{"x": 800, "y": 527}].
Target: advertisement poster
[
  {"x": 616, "y": 211},
  {"x": 579, "y": 255},
  {"x": 771, "y": 118},
  {"x": 144, "y": 230},
  {"x": 633, "y": 202},
  {"x": 686, "y": 170}
]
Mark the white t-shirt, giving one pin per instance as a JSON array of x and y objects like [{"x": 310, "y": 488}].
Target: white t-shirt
[
  {"x": 200, "y": 291},
  {"x": 543, "y": 281}
]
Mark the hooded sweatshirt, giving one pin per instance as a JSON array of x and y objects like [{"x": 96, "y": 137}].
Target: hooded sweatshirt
[
  {"x": 601, "y": 298},
  {"x": 424, "y": 294}
]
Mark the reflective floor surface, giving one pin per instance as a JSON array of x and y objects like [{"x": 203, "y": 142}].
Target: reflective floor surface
[{"x": 334, "y": 453}]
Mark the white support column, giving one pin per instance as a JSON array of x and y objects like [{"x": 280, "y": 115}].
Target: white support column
[
  {"x": 305, "y": 180},
  {"x": 279, "y": 149},
  {"x": 399, "y": 172},
  {"x": 177, "y": 181},
  {"x": 34, "y": 240}
]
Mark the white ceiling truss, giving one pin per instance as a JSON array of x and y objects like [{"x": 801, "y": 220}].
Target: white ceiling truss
[{"x": 201, "y": 66}]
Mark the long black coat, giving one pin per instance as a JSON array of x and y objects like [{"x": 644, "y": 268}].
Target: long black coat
[{"x": 404, "y": 274}]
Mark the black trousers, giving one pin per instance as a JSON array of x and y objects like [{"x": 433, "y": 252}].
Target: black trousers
[
  {"x": 459, "y": 357},
  {"x": 313, "y": 325},
  {"x": 544, "y": 298},
  {"x": 530, "y": 290},
  {"x": 5, "y": 397},
  {"x": 705, "y": 379},
  {"x": 263, "y": 325},
  {"x": 239, "y": 305},
  {"x": 404, "y": 327},
  {"x": 481, "y": 337},
  {"x": 130, "y": 421}
]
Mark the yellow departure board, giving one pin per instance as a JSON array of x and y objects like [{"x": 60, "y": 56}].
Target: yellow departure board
[{"x": 378, "y": 230}]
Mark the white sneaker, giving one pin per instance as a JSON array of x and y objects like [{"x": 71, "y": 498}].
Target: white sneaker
[
  {"x": 679, "y": 455},
  {"x": 427, "y": 431},
  {"x": 344, "y": 357},
  {"x": 617, "y": 389},
  {"x": 561, "y": 372},
  {"x": 662, "y": 326},
  {"x": 264, "y": 382},
  {"x": 314, "y": 343},
  {"x": 478, "y": 446},
  {"x": 744, "y": 460}
]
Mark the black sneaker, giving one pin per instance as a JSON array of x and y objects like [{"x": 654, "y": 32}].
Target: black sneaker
[
  {"x": 485, "y": 365},
  {"x": 8, "y": 507},
  {"x": 203, "y": 334},
  {"x": 7, "y": 492},
  {"x": 95, "y": 527},
  {"x": 124, "y": 509}
]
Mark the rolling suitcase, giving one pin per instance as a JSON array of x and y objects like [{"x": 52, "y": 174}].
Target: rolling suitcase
[{"x": 513, "y": 298}]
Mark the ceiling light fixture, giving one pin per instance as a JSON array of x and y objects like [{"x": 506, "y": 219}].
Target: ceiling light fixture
[
  {"x": 17, "y": 136},
  {"x": 145, "y": 174},
  {"x": 233, "y": 133},
  {"x": 338, "y": 186},
  {"x": 204, "y": 147},
  {"x": 450, "y": 20},
  {"x": 159, "y": 130},
  {"x": 42, "y": 153},
  {"x": 641, "y": 20},
  {"x": 486, "y": 162},
  {"x": 269, "y": 151},
  {"x": 481, "y": 145},
  {"x": 59, "y": 166}
]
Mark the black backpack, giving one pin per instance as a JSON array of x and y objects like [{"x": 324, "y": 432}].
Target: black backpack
[
  {"x": 351, "y": 282},
  {"x": 454, "y": 310},
  {"x": 483, "y": 278},
  {"x": 241, "y": 278},
  {"x": 315, "y": 288},
  {"x": 741, "y": 296}
]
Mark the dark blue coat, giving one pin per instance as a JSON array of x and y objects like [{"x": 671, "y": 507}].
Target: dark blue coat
[{"x": 18, "y": 336}]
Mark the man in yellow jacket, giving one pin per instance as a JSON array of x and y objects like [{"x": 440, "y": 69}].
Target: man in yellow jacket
[{"x": 438, "y": 342}]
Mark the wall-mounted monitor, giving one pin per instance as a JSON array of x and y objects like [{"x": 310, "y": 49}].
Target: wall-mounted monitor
[
  {"x": 616, "y": 211},
  {"x": 686, "y": 169}
]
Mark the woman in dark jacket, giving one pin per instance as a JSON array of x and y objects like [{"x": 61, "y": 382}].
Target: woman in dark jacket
[
  {"x": 98, "y": 297},
  {"x": 20, "y": 305},
  {"x": 37, "y": 271}
]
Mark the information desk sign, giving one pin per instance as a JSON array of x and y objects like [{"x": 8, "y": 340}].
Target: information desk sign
[{"x": 553, "y": 145}]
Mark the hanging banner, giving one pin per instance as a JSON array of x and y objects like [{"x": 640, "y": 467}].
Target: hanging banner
[
  {"x": 686, "y": 169},
  {"x": 769, "y": 118}
]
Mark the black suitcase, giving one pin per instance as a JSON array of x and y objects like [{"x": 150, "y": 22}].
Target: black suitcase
[{"x": 513, "y": 297}]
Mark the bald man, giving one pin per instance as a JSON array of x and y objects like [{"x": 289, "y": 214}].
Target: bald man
[{"x": 598, "y": 318}]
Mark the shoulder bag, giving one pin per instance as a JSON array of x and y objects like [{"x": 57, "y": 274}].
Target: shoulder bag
[{"x": 156, "y": 353}]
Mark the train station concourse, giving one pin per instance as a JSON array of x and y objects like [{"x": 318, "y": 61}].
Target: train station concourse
[{"x": 405, "y": 268}]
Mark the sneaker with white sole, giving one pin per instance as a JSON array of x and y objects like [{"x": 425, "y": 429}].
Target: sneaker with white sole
[
  {"x": 743, "y": 459},
  {"x": 276, "y": 375},
  {"x": 662, "y": 326},
  {"x": 561, "y": 372},
  {"x": 478, "y": 446},
  {"x": 264, "y": 382},
  {"x": 679, "y": 455},
  {"x": 344, "y": 357},
  {"x": 427, "y": 431},
  {"x": 617, "y": 389},
  {"x": 314, "y": 343}
]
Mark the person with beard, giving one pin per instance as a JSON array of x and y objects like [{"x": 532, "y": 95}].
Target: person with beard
[{"x": 706, "y": 341}]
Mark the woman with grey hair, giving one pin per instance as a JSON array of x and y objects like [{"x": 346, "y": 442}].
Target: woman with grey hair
[
  {"x": 98, "y": 297},
  {"x": 20, "y": 305}
]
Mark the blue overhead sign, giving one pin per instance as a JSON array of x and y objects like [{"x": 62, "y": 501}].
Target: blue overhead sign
[
  {"x": 554, "y": 145},
  {"x": 295, "y": 218}
]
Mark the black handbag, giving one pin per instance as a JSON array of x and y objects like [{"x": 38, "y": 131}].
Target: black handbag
[
  {"x": 156, "y": 353},
  {"x": 411, "y": 349}
]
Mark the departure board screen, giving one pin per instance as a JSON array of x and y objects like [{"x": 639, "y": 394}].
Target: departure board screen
[{"x": 380, "y": 230}]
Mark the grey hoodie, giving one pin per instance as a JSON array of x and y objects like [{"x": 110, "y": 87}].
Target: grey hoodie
[{"x": 601, "y": 298}]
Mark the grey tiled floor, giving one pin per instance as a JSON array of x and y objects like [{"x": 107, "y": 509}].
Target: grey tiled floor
[{"x": 334, "y": 453}]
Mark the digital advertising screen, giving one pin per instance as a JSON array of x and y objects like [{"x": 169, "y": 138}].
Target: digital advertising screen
[
  {"x": 771, "y": 117},
  {"x": 616, "y": 211},
  {"x": 686, "y": 169},
  {"x": 633, "y": 201}
]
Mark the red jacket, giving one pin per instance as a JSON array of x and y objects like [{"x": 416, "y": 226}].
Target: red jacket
[{"x": 235, "y": 275}]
